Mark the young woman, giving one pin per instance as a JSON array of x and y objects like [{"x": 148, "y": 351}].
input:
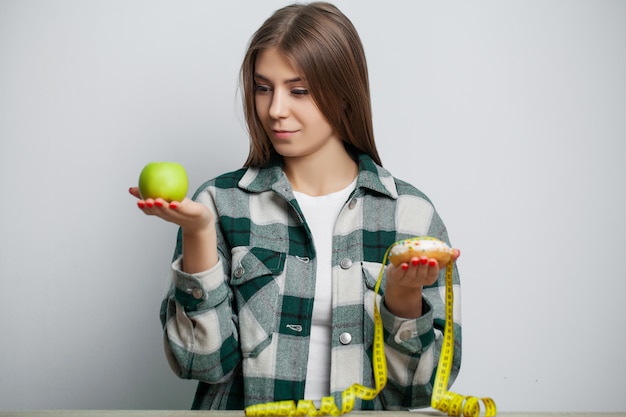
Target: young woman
[{"x": 272, "y": 283}]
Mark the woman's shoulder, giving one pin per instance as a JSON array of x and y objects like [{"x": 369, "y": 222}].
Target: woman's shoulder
[
  {"x": 411, "y": 199},
  {"x": 223, "y": 181},
  {"x": 395, "y": 186},
  {"x": 406, "y": 188}
]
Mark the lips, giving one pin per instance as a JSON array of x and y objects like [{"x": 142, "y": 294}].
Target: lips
[{"x": 284, "y": 134}]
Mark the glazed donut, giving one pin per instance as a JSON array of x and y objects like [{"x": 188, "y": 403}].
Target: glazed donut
[{"x": 404, "y": 250}]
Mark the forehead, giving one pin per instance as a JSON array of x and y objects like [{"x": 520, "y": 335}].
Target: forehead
[{"x": 273, "y": 65}]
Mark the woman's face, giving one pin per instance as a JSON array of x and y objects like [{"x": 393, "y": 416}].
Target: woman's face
[{"x": 290, "y": 117}]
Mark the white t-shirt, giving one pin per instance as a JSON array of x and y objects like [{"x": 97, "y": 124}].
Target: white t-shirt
[{"x": 321, "y": 214}]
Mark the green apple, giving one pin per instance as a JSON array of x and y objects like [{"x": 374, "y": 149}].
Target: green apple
[{"x": 167, "y": 180}]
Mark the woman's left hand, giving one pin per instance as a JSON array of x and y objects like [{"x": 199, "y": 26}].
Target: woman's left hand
[{"x": 403, "y": 288}]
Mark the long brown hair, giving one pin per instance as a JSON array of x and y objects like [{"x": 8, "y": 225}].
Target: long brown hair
[{"x": 323, "y": 45}]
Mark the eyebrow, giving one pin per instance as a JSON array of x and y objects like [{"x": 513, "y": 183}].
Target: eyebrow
[{"x": 289, "y": 81}]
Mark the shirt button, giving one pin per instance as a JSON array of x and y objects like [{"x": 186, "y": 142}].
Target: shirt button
[
  {"x": 197, "y": 293},
  {"x": 352, "y": 204},
  {"x": 405, "y": 335},
  {"x": 238, "y": 272},
  {"x": 345, "y": 263},
  {"x": 345, "y": 338}
]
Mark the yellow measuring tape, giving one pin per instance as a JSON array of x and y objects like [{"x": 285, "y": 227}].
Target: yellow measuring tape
[{"x": 443, "y": 400}]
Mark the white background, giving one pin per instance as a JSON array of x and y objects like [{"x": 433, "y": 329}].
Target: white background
[{"x": 510, "y": 115}]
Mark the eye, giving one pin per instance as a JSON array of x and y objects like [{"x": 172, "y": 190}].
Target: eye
[
  {"x": 260, "y": 88},
  {"x": 299, "y": 92}
]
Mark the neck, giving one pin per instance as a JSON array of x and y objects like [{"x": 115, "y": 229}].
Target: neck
[{"x": 321, "y": 174}]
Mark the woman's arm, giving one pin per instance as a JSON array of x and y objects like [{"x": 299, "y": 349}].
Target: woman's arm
[{"x": 200, "y": 337}]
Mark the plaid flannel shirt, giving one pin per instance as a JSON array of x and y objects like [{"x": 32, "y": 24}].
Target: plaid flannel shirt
[{"x": 242, "y": 327}]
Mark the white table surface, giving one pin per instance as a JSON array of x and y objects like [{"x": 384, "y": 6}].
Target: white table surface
[{"x": 179, "y": 413}]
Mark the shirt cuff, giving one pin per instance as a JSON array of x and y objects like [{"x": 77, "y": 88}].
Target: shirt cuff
[
  {"x": 412, "y": 336},
  {"x": 199, "y": 291}
]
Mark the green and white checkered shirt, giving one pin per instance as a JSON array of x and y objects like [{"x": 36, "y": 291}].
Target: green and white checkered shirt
[{"x": 242, "y": 327}]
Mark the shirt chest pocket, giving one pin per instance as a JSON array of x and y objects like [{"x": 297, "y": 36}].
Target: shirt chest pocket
[{"x": 255, "y": 283}]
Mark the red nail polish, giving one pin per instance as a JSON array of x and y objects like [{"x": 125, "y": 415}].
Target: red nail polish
[
  {"x": 424, "y": 261},
  {"x": 173, "y": 205},
  {"x": 405, "y": 267},
  {"x": 141, "y": 205},
  {"x": 158, "y": 204},
  {"x": 432, "y": 263},
  {"x": 415, "y": 261},
  {"x": 149, "y": 205}
]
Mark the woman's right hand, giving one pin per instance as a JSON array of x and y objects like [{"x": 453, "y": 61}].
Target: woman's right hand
[
  {"x": 198, "y": 229},
  {"x": 188, "y": 214}
]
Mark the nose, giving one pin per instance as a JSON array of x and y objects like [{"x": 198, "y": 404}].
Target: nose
[{"x": 279, "y": 107}]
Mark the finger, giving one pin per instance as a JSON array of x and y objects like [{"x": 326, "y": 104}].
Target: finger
[
  {"x": 432, "y": 272},
  {"x": 414, "y": 270},
  {"x": 410, "y": 276},
  {"x": 166, "y": 205},
  {"x": 160, "y": 207},
  {"x": 423, "y": 270},
  {"x": 147, "y": 206},
  {"x": 134, "y": 191},
  {"x": 416, "y": 264},
  {"x": 175, "y": 211},
  {"x": 397, "y": 272},
  {"x": 174, "y": 204}
]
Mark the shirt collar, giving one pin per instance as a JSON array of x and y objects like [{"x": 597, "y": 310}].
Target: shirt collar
[{"x": 271, "y": 177}]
